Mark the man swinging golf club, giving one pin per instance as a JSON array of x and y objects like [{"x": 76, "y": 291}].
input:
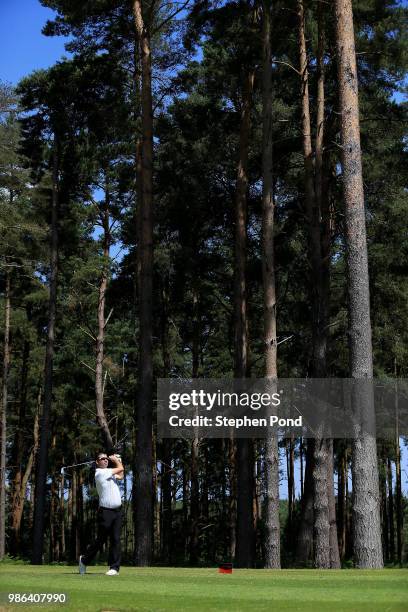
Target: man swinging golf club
[{"x": 109, "y": 512}]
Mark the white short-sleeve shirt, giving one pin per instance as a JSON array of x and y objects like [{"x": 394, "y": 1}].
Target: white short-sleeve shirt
[{"x": 108, "y": 488}]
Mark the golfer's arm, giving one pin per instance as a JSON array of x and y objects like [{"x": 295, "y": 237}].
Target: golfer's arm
[{"x": 119, "y": 472}]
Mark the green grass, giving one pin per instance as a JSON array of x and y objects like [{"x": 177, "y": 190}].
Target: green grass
[{"x": 202, "y": 590}]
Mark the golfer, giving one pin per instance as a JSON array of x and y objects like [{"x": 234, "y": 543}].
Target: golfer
[{"x": 109, "y": 512}]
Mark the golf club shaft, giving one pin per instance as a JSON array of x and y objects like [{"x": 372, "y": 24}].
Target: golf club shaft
[{"x": 65, "y": 467}]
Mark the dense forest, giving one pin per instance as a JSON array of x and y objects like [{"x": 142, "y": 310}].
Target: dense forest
[{"x": 203, "y": 189}]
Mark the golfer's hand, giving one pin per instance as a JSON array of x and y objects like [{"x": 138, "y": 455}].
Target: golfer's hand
[{"x": 115, "y": 459}]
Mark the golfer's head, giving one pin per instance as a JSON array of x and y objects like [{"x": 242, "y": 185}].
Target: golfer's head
[{"x": 102, "y": 460}]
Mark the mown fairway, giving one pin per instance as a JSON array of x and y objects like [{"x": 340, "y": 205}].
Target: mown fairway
[{"x": 199, "y": 590}]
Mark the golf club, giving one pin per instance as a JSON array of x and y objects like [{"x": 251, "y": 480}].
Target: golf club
[{"x": 65, "y": 467}]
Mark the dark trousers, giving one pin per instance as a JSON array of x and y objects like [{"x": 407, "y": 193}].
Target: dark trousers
[{"x": 109, "y": 524}]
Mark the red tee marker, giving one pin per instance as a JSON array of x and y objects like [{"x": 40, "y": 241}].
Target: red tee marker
[{"x": 225, "y": 568}]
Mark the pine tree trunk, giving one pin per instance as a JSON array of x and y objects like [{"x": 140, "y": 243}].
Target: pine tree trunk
[
  {"x": 194, "y": 503},
  {"x": 3, "y": 423},
  {"x": 137, "y": 84},
  {"x": 20, "y": 449},
  {"x": 334, "y": 542},
  {"x": 100, "y": 339},
  {"x": 348, "y": 540},
  {"x": 384, "y": 505},
  {"x": 245, "y": 536},
  {"x": 139, "y": 213},
  {"x": 391, "y": 511},
  {"x": 62, "y": 516},
  {"x": 31, "y": 502},
  {"x": 53, "y": 549},
  {"x": 143, "y": 519},
  {"x": 257, "y": 508},
  {"x": 291, "y": 481},
  {"x": 323, "y": 202},
  {"x": 205, "y": 509},
  {"x": 272, "y": 525},
  {"x": 319, "y": 306},
  {"x": 232, "y": 499},
  {"x": 166, "y": 531},
  {"x": 304, "y": 545},
  {"x": 185, "y": 508},
  {"x": 245, "y": 546},
  {"x": 342, "y": 504},
  {"x": 240, "y": 315},
  {"x": 54, "y": 541},
  {"x": 74, "y": 516},
  {"x": 366, "y": 510},
  {"x": 166, "y": 468},
  {"x": 195, "y": 445},
  {"x": 20, "y": 492},
  {"x": 398, "y": 501},
  {"x": 42, "y": 457},
  {"x": 156, "y": 503},
  {"x": 320, "y": 116},
  {"x": 321, "y": 506},
  {"x": 80, "y": 512}
]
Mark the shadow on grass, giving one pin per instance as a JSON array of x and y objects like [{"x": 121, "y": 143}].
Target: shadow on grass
[{"x": 84, "y": 575}]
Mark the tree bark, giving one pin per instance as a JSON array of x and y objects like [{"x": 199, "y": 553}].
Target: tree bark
[
  {"x": 321, "y": 506},
  {"x": 185, "y": 507},
  {"x": 20, "y": 449},
  {"x": 195, "y": 444},
  {"x": 100, "y": 339},
  {"x": 156, "y": 501},
  {"x": 194, "y": 503},
  {"x": 204, "y": 501},
  {"x": 166, "y": 467},
  {"x": 74, "y": 515},
  {"x": 366, "y": 510},
  {"x": 143, "y": 519},
  {"x": 318, "y": 299},
  {"x": 342, "y": 501},
  {"x": 398, "y": 501},
  {"x": 245, "y": 546},
  {"x": 384, "y": 505},
  {"x": 240, "y": 306},
  {"x": 139, "y": 214},
  {"x": 232, "y": 499},
  {"x": 62, "y": 516},
  {"x": 167, "y": 519},
  {"x": 245, "y": 536},
  {"x": 348, "y": 539},
  {"x": 334, "y": 542},
  {"x": 3, "y": 422},
  {"x": 391, "y": 529},
  {"x": 54, "y": 541},
  {"x": 304, "y": 544},
  {"x": 272, "y": 525},
  {"x": 20, "y": 492},
  {"x": 42, "y": 457},
  {"x": 291, "y": 480}
]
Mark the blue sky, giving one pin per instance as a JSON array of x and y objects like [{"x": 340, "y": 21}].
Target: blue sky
[{"x": 22, "y": 46}]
